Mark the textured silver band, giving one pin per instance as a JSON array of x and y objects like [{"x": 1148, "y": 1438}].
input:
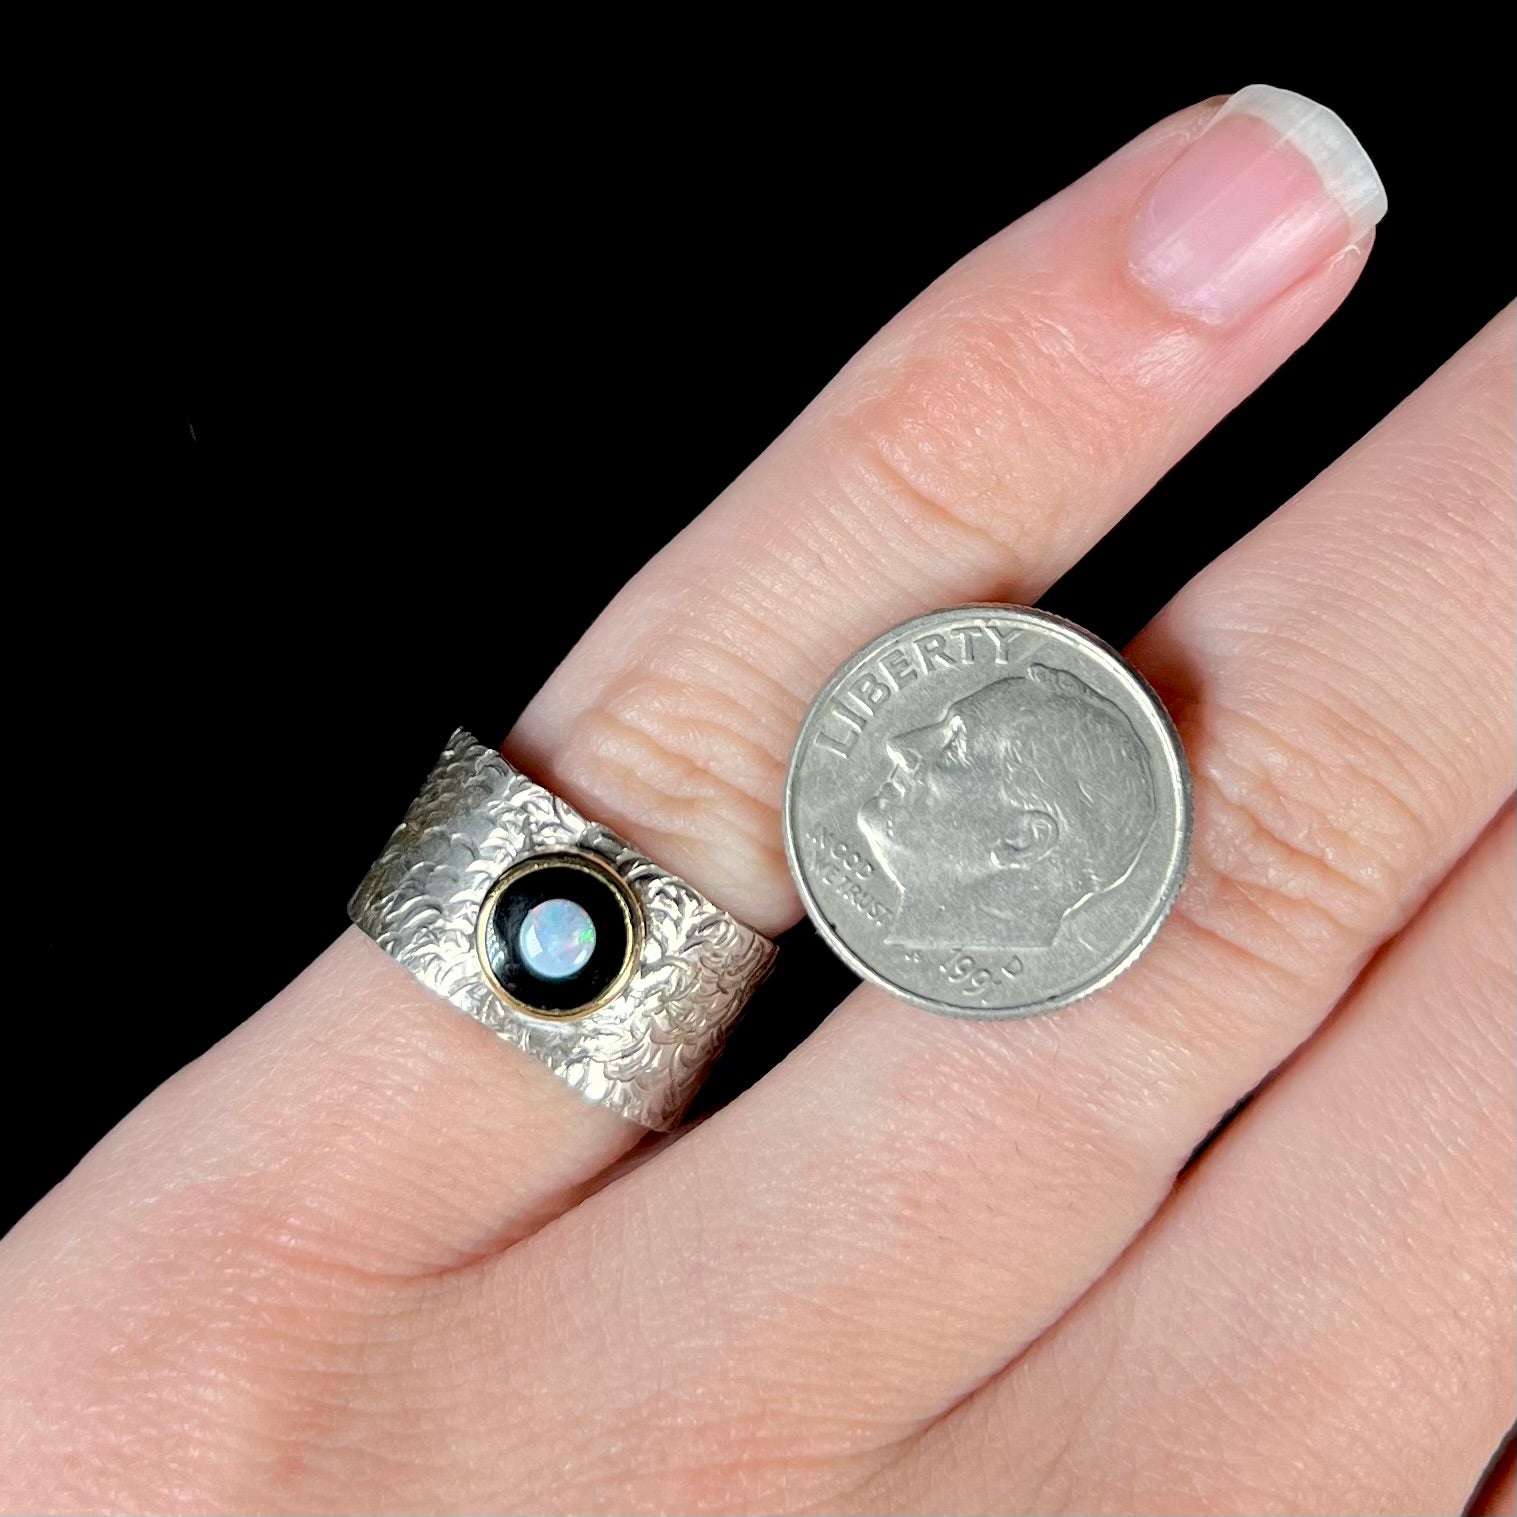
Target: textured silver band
[{"x": 643, "y": 1054}]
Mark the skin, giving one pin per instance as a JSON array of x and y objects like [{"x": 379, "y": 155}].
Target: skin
[{"x": 923, "y": 1265}]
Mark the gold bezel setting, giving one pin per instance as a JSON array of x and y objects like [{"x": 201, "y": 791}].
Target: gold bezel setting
[{"x": 487, "y": 937}]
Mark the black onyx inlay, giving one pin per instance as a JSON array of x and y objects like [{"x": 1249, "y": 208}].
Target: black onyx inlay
[{"x": 601, "y": 902}]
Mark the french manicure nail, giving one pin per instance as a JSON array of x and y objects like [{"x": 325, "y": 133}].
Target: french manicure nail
[{"x": 1275, "y": 186}]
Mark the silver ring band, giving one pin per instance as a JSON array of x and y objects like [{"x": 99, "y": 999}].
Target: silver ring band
[{"x": 672, "y": 972}]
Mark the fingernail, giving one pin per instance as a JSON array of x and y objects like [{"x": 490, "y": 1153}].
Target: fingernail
[{"x": 1274, "y": 187}]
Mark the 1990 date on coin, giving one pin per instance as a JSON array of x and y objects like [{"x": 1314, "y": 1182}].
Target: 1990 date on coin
[{"x": 969, "y": 977}]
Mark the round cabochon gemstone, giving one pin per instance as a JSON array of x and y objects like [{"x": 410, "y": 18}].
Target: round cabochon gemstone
[{"x": 556, "y": 939}]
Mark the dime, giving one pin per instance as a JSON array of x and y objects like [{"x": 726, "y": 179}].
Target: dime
[{"x": 988, "y": 812}]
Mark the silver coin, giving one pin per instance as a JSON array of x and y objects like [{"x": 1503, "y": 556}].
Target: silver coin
[{"x": 988, "y": 812}]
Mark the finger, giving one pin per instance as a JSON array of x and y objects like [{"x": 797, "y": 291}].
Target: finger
[
  {"x": 973, "y": 450},
  {"x": 1336, "y": 1277},
  {"x": 908, "y": 1200}
]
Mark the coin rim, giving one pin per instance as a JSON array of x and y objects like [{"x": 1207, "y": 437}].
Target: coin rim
[{"x": 1179, "y": 767}]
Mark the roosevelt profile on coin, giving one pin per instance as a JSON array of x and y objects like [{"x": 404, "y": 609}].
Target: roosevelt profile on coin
[{"x": 1040, "y": 788}]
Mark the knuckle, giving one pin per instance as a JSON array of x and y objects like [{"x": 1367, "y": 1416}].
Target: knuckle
[
  {"x": 687, "y": 742},
  {"x": 1306, "y": 847},
  {"x": 950, "y": 426}
]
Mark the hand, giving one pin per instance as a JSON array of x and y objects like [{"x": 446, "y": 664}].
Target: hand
[{"x": 362, "y": 1257}]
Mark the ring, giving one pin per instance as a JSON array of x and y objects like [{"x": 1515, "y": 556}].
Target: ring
[{"x": 560, "y": 937}]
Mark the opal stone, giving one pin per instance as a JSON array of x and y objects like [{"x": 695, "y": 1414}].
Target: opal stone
[{"x": 556, "y": 939}]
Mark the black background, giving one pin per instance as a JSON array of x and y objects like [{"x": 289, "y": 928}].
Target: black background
[{"x": 384, "y": 348}]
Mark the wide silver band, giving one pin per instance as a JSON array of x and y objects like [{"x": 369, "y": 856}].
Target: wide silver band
[{"x": 643, "y": 1053}]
